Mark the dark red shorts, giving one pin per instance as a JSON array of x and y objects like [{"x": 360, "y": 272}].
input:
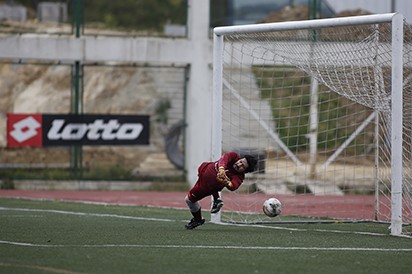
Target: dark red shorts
[{"x": 206, "y": 183}]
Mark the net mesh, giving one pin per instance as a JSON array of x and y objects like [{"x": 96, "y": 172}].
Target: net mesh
[{"x": 314, "y": 106}]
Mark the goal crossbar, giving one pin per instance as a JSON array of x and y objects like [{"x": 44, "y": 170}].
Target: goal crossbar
[{"x": 306, "y": 24}]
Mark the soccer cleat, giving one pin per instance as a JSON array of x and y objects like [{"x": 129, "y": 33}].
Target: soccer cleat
[
  {"x": 193, "y": 223},
  {"x": 217, "y": 205}
]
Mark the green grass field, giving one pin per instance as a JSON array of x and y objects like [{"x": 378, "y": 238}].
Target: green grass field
[{"x": 60, "y": 237}]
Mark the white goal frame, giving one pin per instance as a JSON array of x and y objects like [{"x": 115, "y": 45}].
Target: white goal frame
[{"x": 396, "y": 21}]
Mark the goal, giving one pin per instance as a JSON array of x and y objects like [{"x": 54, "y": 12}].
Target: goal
[{"x": 325, "y": 105}]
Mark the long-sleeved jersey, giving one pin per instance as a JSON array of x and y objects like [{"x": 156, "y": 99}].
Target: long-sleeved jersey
[{"x": 207, "y": 172}]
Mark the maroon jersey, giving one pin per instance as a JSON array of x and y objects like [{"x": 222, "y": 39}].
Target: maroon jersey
[{"x": 207, "y": 172}]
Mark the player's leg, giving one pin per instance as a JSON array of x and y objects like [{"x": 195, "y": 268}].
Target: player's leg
[
  {"x": 192, "y": 199},
  {"x": 196, "y": 211},
  {"x": 217, "y": 203}
]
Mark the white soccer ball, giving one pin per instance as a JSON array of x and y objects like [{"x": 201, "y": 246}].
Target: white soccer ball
[{"x": 272, "y": 207}]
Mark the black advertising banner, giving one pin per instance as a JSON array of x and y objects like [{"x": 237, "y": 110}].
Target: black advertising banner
[{"x": 69, "y": 130}]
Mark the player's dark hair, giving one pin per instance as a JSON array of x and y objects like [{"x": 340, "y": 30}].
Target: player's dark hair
[{"x": 251, "y": 162}]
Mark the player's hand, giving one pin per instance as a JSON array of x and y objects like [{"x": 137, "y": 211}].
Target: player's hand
[
  {"x": 226, "y": 182},
  {"x": 221, "y": 171},
  {"x": 223, "y": 178},
  {"x": 221, "y": 174}
]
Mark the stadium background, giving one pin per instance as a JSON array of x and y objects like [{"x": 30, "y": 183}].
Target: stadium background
[{"x": 171, "y": 93}]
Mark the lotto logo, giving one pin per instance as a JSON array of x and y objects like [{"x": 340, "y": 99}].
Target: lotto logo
[
  {"x": 112, "y": 130},
  {"x": 69, "y": 130},
  {"x": 24, "y": 130}
]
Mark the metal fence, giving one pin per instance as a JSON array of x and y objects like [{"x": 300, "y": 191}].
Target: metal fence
[{"x": 158, "y": 92}]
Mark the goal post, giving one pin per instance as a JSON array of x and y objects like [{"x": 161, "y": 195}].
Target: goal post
[
  {"x": 325, "y": 106},
  {"x": 397, "y": 124}
]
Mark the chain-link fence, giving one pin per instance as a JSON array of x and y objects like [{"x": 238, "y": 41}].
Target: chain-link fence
[{"x": 158, "y": 92}]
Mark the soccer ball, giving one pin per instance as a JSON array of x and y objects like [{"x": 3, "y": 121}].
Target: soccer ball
[{"x": 272, "y": 207}]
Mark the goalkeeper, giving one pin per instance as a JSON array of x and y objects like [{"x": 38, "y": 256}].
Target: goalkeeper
[{"x": 229, "y": 171}]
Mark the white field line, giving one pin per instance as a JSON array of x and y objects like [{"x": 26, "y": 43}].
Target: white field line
[
  {"x": 170, "y": 220},
  {"x": 317, "y": 230},
  {"x": 85, "y": 214},
  {"x": 213, "y": 247}
]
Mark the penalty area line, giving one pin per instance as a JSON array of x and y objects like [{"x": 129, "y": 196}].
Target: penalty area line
[
  {"x": 304, "y": 229},
  {"x": 285, "y": 248},
  {"x": 85, "y": 214}
]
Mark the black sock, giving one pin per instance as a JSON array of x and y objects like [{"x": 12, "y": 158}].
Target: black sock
[{"x": 197, "y": 215}]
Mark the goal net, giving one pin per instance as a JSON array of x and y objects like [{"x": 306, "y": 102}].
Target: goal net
[{"x": 325, "y": 106}]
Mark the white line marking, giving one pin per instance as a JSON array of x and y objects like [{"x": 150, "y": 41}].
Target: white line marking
[
  {"x": 265, "y": 226},
  {"x": 302, "y": 229},
  {"x": 86, "y": 214},
  {"x": 216, "y": 247},
  {"x": 23, "y": 216},
  {"x": 354, "y": 232},
  {"x": 170, "y": 220}
]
